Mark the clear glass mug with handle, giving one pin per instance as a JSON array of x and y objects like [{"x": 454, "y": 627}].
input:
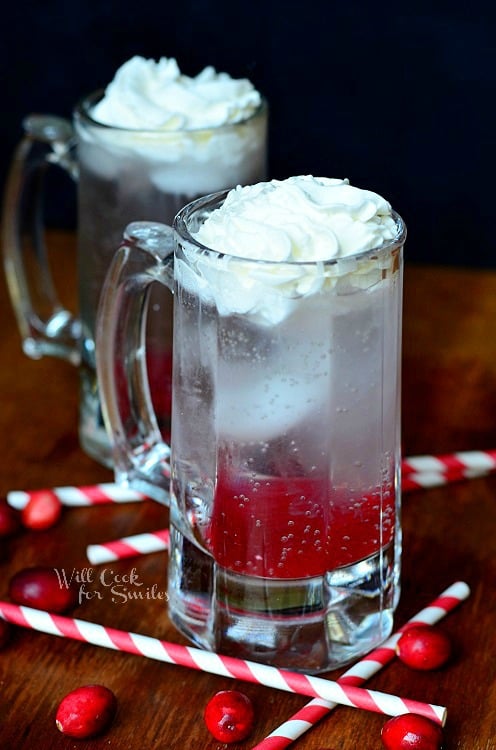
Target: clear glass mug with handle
[
  {"x": 121, "y": 174},
  {"x": 282, "y": 475}
]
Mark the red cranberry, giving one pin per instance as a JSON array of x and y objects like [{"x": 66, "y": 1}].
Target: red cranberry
[
  {"x": 10, "y": 520},
  {"x": 229, "y": 716},
  {"x": 411, "y": 732},
  {"x": 42, "y": 511},
  {"x": 43, "y": 588},
  {"x": 86, "y": 711},
  {"x": 424, "y": 647}
]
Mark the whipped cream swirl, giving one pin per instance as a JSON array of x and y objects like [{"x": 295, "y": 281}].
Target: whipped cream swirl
[
  {"x": 145, "y": 94},
  {"x": 284, "y": 243},
  {"x": 301, "y": 219}
]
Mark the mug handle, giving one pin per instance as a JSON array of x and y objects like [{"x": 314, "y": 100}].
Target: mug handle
[
  {"x": 140, "y": 454},
  {"x": 46, "y": 327}
]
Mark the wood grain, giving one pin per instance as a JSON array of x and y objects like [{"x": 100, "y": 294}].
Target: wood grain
[{"x": 449, "y": 403}]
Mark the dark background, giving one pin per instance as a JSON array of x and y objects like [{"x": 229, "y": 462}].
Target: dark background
[{"x": 398, "y": 97}]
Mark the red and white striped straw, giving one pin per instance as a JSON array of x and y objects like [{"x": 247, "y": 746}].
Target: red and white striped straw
[
  {"x": 316, "y": 709},
  {"x": 451, "y": 463},
  {"x": 101, "y": 494},
  {"x": 128, "y": 546},
  {"x": 91, "y": 494},
  {"x": 425, "y": 480},
  {"x": 225, "y": 666},
  {"x": 455, "y": 466}
]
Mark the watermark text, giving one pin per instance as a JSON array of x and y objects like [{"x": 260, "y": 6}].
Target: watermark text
[{"x": 107, "y": 583}]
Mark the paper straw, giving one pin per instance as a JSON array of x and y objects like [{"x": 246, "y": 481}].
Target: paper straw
[
  {"x": 128, "y": 546},
  {"x": 316, "y": 709},
  {"x": 455, "y": 466},
  {"x": 101, "y": 494},
  {"x": 226, "y": 666},
  {"x": 91, "y": 494},
  {"x": 424, "y": 480},
  {"x": 482, "y": 461}
]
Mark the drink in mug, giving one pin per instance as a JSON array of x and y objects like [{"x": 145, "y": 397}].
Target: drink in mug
[
  {"x": 285, "y": 497},
  {"x": 148, "y": 144},
  {"x": 155, "y": 141}
]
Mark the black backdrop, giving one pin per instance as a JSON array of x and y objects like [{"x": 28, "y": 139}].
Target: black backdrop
[{"x": 398, "y": 97}]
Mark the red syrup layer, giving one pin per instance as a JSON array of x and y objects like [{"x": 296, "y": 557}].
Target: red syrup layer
[
  {"x": 295, "y": 527},
  {"x": 159, "y": 369},
  {"x": 160, "y": 379}
]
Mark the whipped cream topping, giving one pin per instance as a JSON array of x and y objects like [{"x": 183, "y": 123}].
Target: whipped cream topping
[
  {"x": 184, "y": 136},
  {"x": 276, "y": 238},
  {"x": 301, "y": 219},
  {"x": 149, "y": 95}
]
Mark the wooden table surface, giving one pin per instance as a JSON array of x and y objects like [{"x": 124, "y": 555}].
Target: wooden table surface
[{"x": 449, "y": 404}]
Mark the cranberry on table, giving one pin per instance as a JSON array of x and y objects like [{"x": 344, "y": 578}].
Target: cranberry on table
[
  {"x": 86, "y": 711},
  {"x": 411, "y": 732},
  {"x": 423, "y": 647},
  {"x": 42, "y": 511},
  {"x": 229, "y": 716},
  {"x": 10, "y": 520},
  {"x": 43, "y": 588}
]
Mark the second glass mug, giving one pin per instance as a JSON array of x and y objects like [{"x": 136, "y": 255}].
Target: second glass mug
[
  {"x": 282, "y": 476},
  {"x": 121, "y": 175}
]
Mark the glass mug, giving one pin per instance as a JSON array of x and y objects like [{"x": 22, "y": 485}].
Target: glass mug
[
  {"x": 282, "y": 476},
  {"x": 121, "y": 175}
]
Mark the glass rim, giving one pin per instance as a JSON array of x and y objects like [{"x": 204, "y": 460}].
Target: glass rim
[
  {"x": 83, "y": 107},
  {"x": 215, "y": 200}
]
